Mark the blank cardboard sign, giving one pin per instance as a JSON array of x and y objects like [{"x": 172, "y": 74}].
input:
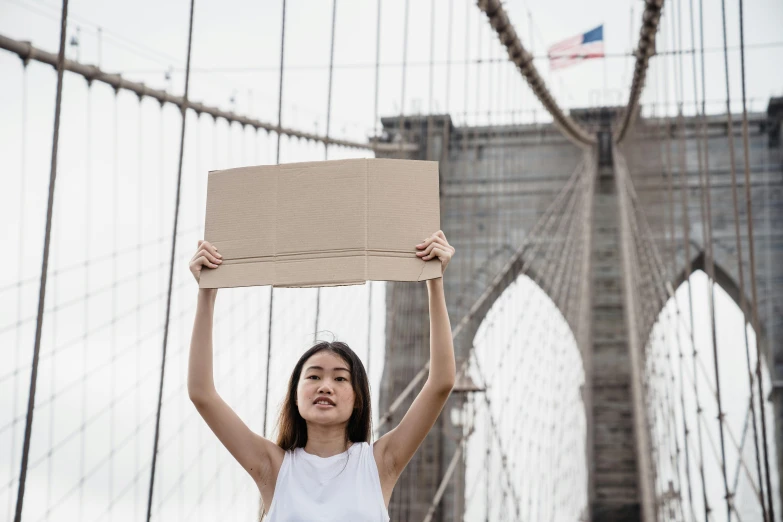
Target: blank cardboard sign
[{"x": 322, "y": 223}]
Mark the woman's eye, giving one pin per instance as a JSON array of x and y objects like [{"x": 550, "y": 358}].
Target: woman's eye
[{"x": 313, "y": 377}]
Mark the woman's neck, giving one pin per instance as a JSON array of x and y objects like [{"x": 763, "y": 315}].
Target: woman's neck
[{"x": 326, "y": 441}]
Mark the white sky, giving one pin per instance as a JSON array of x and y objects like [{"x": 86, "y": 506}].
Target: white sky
[{"x": 123, "y": 196}]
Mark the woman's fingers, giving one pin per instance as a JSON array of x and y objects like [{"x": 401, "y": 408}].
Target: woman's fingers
[
  {"x": 206, "y": 249},
  {"x": 210, "y": 257},
  {"x": 433, "y": 243},
  {"x": 427, "y": 250},
  {"x": 206, "y": 256},
  {"x": 433, "y": 239},
  {"x": 203, "y": 261},
  {"x": 441, "y": 253}
]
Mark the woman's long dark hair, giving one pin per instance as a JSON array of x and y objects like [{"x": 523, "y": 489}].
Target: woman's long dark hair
[{"x": 292, "y": 429}]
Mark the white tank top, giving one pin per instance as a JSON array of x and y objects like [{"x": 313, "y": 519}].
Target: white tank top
[{"x": 344, "y": 487}]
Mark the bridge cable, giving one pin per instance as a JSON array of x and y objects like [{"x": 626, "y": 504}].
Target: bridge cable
[
  {"x": 375, "y": 142},
  {"x": 171, "y": 268},
  {"x": 464, "y": 267},
  {"x": 646, "y": 49},
  {"x": 751, "y": 250},
  {"x": 272, "y": 288},
  {"x": 517, "y": 53},
  {"x": 27, "y": 51},
  {"x": 678, "y": 88},
  {"x": 326, "y": 146},
  {"x": 44, "y": 269},
  {"x": 20, "y": 272},
  {"x": 686, "y": 227},
  {"x": 670, "y": 231},
  {"x": 708, "y": 241}
]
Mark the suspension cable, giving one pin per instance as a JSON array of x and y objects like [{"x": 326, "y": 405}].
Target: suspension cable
[
  {"x": 517, "y": 53},
  {"x": 272, "y": 288},
  {"x": 44, "y": 268},
  {"x": 171, "y": 267},
  {"x": 326, "y": 147},
  {"x": 27, "y": 51},
  {"x": 752, "y": 257},
  {"x": 646, "y": 48}
]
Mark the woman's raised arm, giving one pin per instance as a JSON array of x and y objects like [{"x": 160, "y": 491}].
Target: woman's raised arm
[
  {"x": 395, "y": 449},
  {"x": 254, "y": 453}
]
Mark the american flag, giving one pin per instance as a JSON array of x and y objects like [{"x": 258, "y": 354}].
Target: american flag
[{"x": 577, "y": 48}]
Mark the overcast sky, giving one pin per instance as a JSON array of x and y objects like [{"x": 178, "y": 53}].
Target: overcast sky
[{"x": 115, "y": 193}]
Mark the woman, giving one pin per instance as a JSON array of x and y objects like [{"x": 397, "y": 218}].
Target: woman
[{"x": 323, "y": 467}]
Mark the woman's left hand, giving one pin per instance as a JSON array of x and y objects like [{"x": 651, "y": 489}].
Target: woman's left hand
[{"x": 436, "y": 246}]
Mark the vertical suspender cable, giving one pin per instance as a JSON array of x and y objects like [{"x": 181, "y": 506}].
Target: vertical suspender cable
[
  {"x": 707, "y": 232},
  {"x": 672, "y": 272},
  {"x": 710, "y": 262},
  {"x": 404, "y": 71},
  {"x": 183, "y": 110},
  {"x": 375, "y": 142},
  {"x": 431, "y": 74},
  {"x": 44, "y": 268},
  {"x": 272, "y": 289},
  {"x": 326, "y": 147},
  {"x": 686, "y": 239},
  {"x": 752, "y": 259},
  {"x": 20, "y": 252}
]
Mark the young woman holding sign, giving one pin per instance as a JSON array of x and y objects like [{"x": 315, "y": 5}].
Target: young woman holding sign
[{"x": 324, "y": 466}]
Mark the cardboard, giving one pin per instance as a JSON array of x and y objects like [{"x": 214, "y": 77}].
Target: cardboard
[{"x": 323, "y": 223}]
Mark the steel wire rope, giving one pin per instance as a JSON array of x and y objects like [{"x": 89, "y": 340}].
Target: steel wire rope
[
  {"x": 139, "y": 262},
  {"x": 326, "y": 144},
  {"x": 464, "y": 266},
  {"x": 704, "y": 184},
  {"x": 686, "y": 229},
  {"x": 20, "y": 272},
  {"x": 86, "y": 321},
  {"x": 669, "y": 231},
  {"x": 171, "y": 269},
  {"x": 706, "y": 208},
  {"x": 272, "y": 288},
  {"x": 686, "y": 243},
  {"x": 751, "y": 243},
  {"x": 44, "y": 267},
  {"x": 743, "y": 438}
]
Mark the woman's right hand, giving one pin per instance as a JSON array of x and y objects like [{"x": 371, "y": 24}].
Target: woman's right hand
[{"x": 206, "y": 256}]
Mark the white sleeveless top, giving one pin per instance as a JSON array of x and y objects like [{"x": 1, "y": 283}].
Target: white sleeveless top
[{"x": 344, "y": 487}]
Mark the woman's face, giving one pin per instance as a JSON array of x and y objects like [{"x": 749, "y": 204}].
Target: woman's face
[{"x": 324, "y": 394}]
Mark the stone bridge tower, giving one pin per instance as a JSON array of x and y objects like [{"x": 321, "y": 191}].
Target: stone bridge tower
[{"x": 508, "y": 176}]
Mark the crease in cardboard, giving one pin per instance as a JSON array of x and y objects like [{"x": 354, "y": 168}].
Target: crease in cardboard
[{"x": 423, "y": 266}]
